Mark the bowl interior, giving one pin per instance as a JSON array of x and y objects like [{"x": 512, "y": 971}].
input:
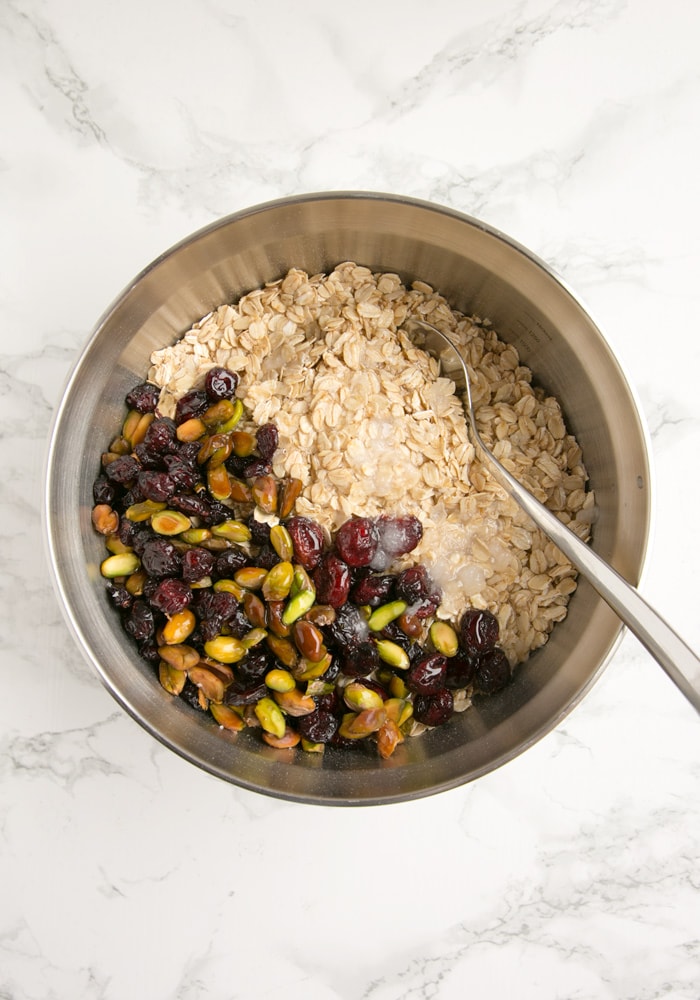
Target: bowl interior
[{"x": 480, "y": 272}]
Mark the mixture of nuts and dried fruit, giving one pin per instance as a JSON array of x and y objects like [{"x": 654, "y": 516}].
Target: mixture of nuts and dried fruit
[
  {"x": 302, "y": 539},
  {"x": 255, "y": 613}
]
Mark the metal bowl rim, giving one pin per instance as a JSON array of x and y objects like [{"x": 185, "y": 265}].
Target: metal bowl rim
[{"x": 65, "y": 602}]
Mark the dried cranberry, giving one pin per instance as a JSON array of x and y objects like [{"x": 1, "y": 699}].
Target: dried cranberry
[
  {"x": 139, "y": 622},
  {"x": 427, "y": 675},
  {"x": 373, "y": 590},
  {"x": 148, "y": 458},
  {"x": 190, "y": 694},
  {"x": 433, "y": 709},
  {"x": 348, "y": 629},
  {"x": 131, "y": 497},
  {"x": 160, "y": 558},
  {"x": 416, "y": 587},
  {"x": 492, "y": 672},
  {"x": 331, "y": 701},
  {"x": 143, "y": 397},
  {"x": 192, "y": 504},
  {"x": 397, "y": 537},
  {"x": 149, "y": 586},
  {"x": 356, "y": 541},
  {"x": 461, "y": 669},
  {"x": 251, "y": 468},
  {"x": 156, "y": 486},
  {"x": 188, "y": 452},
  {"x": 103, "y": 491},
  {"x": 427, "y": 608},
  {"x": 266, "y": 557},
  {"x": 416, "y": 650},
  {"x": 229, "y": 561},
  {"x": 259, "y": 530},
  {"x": 148, "y": 650},
  {"x": 127, "y": 529},
  {"x": 237, "y": 623},
  {"x": 254, "y": 665},
  {"x": 160, "y": 437},
  {"x": 479, "y": 630},
  {"x": 220, "y": 383},
  {"x": 123, "y": 470},
  {"x": 119, "y": 596},
  {"x": 184, "y": 477},
  {"x": 236, "y": 465},
  {"x": 196, "y": 564},
  {"x": 332, "y": 581},
  {"x": 192, "y": 404},
  {"x": 171, "y": 596},
  {"x": 319, "y": 726},
  {"x": 195, "y": 638},
  {"x": 225, "y": 605},
  {"x": 134, "y": 535},
  {"x": 210, "y": 627},
  {"x": 307, "y": 538},
  {"x": 217, "y": 608},
  {"x": 360, "y": 660},
  {"x": 218, "y": 512},
  {"x": 224, "y": 609},
  {"x": 267, "y": 438},
  {"x": 203, "y": 601}
]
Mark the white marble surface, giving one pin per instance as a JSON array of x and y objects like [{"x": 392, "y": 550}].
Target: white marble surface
[{"x": 126, "y": 873}]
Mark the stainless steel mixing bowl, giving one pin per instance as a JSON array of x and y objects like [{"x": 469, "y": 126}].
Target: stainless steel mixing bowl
[{"x": 480, "y": 271}]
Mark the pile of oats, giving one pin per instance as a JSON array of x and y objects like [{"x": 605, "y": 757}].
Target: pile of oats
[{"x": 369, "y": 426}]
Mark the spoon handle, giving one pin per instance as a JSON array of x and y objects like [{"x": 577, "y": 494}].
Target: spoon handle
[{"x": 666, "y": 646}]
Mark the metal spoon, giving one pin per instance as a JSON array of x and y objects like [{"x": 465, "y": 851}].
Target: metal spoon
[{"x": 677, "y": 659}]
